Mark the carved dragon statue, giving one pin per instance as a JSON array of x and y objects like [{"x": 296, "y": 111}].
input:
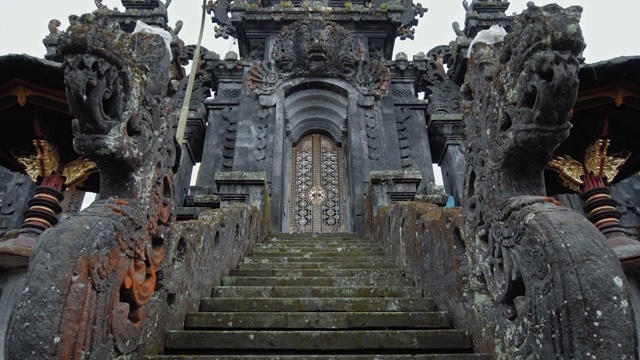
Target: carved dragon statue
[
  {"x": 541, "y": 272},
  {"x": 92, "y": 276}
]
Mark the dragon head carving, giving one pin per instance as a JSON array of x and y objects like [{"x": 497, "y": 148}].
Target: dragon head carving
[
  {"x": 518, "y": 94},
  {"x": 117, "y": 86},
  {"x": 113, "y": 81}
]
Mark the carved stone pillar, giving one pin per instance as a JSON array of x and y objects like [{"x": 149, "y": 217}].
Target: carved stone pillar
[
  {"x": 191, "y": 153},
  {"x": 446, "y": 136}
]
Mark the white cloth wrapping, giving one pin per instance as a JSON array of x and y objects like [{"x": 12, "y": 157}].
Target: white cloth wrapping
[
  {"x": 148, "y": 29},
  {"x": 493, "y": 35}
]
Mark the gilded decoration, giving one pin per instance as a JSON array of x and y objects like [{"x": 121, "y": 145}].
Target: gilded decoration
[
  {"x": 596, "y": 162},
  {"x": 43, "y": 164},
  {"x": 77, "y": 171},
  {"x": 602, "y": 165}
]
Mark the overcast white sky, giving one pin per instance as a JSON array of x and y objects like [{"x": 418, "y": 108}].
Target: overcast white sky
[{"x": 609, "y": 26}]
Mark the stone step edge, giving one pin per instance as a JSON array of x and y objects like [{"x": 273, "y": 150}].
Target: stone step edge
[
  {"x": 376, "y": 356},
  {"x": 324, "y": 341},
  {"x": 335, "y": 320},
  {"x": 316, "y": 304}
]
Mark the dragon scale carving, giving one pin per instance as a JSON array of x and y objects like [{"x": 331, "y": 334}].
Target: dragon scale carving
[
  {"x": 94, "y": 274},
  {"x": 546, "y": 270}
]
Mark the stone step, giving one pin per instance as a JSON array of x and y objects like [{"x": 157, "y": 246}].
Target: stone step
[
  {"x": 317, "y": 245},
  {"x": 318, "y": 237},
  {"x": 318, "y": 272},
  {"x": 316, "y": 291},
  {"x": 316, "y": 241},
  {"x": 316, "y": 304},
  {"x": 318, "y": 265},
  {"x": 319, "y": 341},
  {"x": 318, "y": 254},
  {"x": 327, "y": 240},
  {"x": 375, "y": 356},
  {"x": 317, "y": 320},
  {"x": 317, "y": 297},
  {"x": 314, "y": 281},
  {"x": 299, "y": 259},
  {"x": 295, "y": 249}
]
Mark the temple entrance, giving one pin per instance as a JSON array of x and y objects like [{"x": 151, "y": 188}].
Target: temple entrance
[{"x": 317, "y": 200}]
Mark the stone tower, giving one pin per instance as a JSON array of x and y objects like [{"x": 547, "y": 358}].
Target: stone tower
[{"x": 314, "y": 104}]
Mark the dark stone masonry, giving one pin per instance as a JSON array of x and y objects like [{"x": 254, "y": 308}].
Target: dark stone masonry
[{"x": 314, "y": 228}]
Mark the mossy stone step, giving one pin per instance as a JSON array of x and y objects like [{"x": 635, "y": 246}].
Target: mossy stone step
[
  {"x": 318, "y": 320},
  {"x": 319, "y": 341},
  {"x": 309, "y": 258},
  {"x": 318, "y": 237},
  {"x": 314, "y": 281},
  {"x": 318, "y": 297},
  {"x": 317, "y": 254},
  {"x": 313, "y": 304},
  {"x": 267, "y": 272},
  {"x": 292, "y": 249},
  {"x": 321, "y": 241},
  {"x": 325, "y": 357},
  {"x": 318, "y": 265},
  {"x": 316, "y": 291}
]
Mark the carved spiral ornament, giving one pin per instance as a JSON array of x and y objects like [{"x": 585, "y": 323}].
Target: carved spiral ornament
[{"x": 318, "y": 48}]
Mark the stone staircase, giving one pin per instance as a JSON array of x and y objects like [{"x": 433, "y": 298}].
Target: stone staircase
[{"x": 318, "y": 297}]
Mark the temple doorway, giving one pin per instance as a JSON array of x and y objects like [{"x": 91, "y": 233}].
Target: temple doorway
[{"x": 317, "y": 196}]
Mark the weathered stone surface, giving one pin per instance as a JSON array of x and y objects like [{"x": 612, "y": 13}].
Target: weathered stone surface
[
  {"x": 316, "y": 291},
  {"x": 514, "y": 268},
  {"x": 100, "y": 283},
  {"x": 201, "y": 253},
  {"x": 94, "y": 292},
  {"x": 332, "y": 357},
  {"x": 525, "y": 253},
  {"x": 314, "y": 281},
  {"x": 318, "y": 320},
  {"x": 322, "y": 304},
  {"x": 308, "y": 320},
  {"x": 383, "y": 340},
  {"x": 17, "y": 189}
]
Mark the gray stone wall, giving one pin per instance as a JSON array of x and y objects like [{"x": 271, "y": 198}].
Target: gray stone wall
[
  {"x": 201, "y": 252},
  {"x": 429, "y": 242}
]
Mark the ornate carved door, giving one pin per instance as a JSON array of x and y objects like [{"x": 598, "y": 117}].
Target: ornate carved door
[{"x": 317, "y": 204}]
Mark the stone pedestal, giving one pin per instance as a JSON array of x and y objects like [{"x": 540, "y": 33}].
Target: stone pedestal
[
  {"x": 390, "y": 186},
  {"x": 243, "y": 187}
]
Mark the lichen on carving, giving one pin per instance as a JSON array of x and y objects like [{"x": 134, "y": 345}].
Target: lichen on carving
[
  {"x": 526, "y": 253},
  {"x": 92, "y": 277},
  {"x": 441, "y": 92}
]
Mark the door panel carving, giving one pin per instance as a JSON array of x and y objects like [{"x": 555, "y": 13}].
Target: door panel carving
[{"x": 317, "y": 203}]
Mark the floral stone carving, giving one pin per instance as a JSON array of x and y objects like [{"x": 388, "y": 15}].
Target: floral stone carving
[{"x": 318, "y": 48}]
